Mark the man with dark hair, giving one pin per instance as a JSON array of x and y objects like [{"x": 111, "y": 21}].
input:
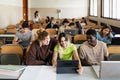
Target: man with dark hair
[
  {"x": 24, "y": 37},
  {"x": 92, "y": 52}
]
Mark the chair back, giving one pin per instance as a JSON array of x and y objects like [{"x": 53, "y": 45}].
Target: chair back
[
  {"x": 11, "y": 27},
  {"x": 12, "y": 59},
  {"x": 114, "y": 49},
  {"x": 51, "y": 31},
  {"x": 80, "y": 38},
  {"x": 2, "y": 31},
  {"x": 11, "y": 31},
  {"x": 12, "y": 48},
  {"x": 114, "y": 57}
]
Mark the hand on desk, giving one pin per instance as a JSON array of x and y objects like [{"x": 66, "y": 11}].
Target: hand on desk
[
  {"x": 80, "y": 70},
  {"x": 54, "y": 65}
]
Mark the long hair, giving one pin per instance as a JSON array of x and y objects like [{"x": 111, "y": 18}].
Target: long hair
[
  {"x": 60, "y": 51},
  {"x": 36, "y": 14},
  {"x": 104, "y": 27}
]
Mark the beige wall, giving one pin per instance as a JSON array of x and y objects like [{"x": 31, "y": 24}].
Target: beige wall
[
  {"x": 9, "y": 15},
  {"x": 10, "y": 12},
  {"x": 69, "y": 8},
  {"x": 65, "y": 12}
]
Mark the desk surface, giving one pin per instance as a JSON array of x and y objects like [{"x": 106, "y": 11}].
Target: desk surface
[
  {"x": 49, "y": 73},
  {"x": 7, "y": 35}
]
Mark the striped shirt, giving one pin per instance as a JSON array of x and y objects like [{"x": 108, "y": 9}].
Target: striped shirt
[{"x": 93, "y": 55}]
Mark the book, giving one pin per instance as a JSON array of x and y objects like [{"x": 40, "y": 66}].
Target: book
[
  {"x": 11, "y": 71},
  {"x": 16, "y": 68},
  {"x": 96, "y": 69}
]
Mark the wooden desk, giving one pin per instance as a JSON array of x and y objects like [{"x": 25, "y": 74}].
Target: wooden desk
[
  {"x": 114, "y": 49},
  {"x": 49, "y": 73},
  {"x": 7, "y": 35},
  {"x": 7, "y": 38}
]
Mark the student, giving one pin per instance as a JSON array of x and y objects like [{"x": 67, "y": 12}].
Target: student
[
  {"x": 92, "y": 52},
  {"x": 84, "y": 21},
  {"x": 65, "y": 51},
  {"x": 52, "y": 24},
  {"x": 24, "y": 37},
  {"x": 80, "y": 29},
  {"x": 64, "y": 26},
  {"x": 47, "y": 19},
  {"x": 41, "y": 50},
  {"x": 73, "y": 22},
  {"x": 36, "y": 17},
  {"x": 105, "y": 34}
]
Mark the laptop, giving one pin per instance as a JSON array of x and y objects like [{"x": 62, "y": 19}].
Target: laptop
[
  {"x": 115, "y": 41},
  {"x": 108, "y": 70},
  {"x": 117, "y": 35},
  {"x": 67, "y": 66},
  {"x": 71, "y": 32}
]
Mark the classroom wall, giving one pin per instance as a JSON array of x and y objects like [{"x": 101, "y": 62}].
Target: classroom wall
[
  {"x": 10, "y": 12},
  {"x": 69, "y": 8}
]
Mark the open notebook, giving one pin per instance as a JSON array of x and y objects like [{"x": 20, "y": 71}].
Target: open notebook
[
  {"x": 96, "y": 69},
  {"x": 11, "y": 71},
  {"x": 108, "y": 70}
]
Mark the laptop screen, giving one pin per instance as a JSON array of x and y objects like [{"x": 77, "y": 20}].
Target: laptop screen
[
  {"x": 71, "y": 32},
  {"x": 115, "y": 41},
  {"x": 67, "y": 66}
]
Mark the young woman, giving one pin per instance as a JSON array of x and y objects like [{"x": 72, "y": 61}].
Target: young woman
[
  {"x": 65, "y": 51},
  {"x": 36, "y": 17},
  {"x": 41, "y": 50},
  {"x": 105, "y": 34}
]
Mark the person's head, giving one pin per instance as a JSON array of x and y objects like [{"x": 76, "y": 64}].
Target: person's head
[
  {"x": 65, "y": 22},
  {"x": 47, "y": 17},
  {"x": 36, "y": 13},
  {"x": 105, "y": 31},
  {"x": 78, "y": 25},
  {"x": 52, "y": 18},
  {"x": 63, "y": 39},
  {"x": 53, "y": 21},
  {"x": 25, "y": 24},
  {"x": 91, "y": 37},
  {"x": 43, "y": 37},
  {"x": 73, "y": 19}
]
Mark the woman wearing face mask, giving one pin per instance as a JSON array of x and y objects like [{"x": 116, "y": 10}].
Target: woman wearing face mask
[
  {"x": 65, "y": 51},
  {"x": 105, "y": 34}
]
